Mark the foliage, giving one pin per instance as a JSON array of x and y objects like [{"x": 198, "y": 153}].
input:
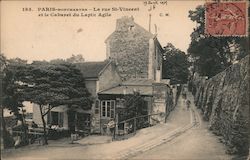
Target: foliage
[
  {"x": 51, "y": 85},
  {"x": 135, "y": 106},
  {"x": 7, "y": 139},
  {"x": 57, "y": 84},
  {"x": 73, "y": 59},
  {"x": 47, "y": 84},
  {"x": 13, "y": 96},
  {"x": 211, "y": 54},
  {"x": 3, "y": 62},
  {"x": 175, "y": 65},
  {"x": 13, "y": 93}
]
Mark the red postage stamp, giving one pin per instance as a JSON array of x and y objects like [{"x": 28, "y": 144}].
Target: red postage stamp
[{"x": 226, "y": 18}]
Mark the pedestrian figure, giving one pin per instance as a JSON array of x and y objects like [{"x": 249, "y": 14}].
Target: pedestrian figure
[
  {"x": 188, "y": 104},
  {"x": 111, "y": 126},
  {"x": 184, "y": 95}
]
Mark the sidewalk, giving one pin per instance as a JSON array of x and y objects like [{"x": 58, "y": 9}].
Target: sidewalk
[{"x": 94, "y": 140}]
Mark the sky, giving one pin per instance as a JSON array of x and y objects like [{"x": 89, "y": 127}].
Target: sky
[{"x": 28, "y": 36}]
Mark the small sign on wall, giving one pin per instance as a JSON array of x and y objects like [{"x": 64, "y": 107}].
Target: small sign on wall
[{"x": 159, "y": 93}]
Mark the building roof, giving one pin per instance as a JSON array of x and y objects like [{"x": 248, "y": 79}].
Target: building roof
[
  {"x": 143, "y": 86},
  {"x": 92, "y": 69}
]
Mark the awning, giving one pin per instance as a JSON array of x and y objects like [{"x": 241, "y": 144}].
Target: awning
[{"x": 123, "y": 90}]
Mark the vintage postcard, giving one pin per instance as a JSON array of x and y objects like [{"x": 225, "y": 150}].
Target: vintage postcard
[{"x": 144, "y": 79}]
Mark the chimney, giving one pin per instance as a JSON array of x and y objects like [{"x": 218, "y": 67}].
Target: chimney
[
  {"x": 151, "y": 52},
  {"x": 124, "y": 23}
]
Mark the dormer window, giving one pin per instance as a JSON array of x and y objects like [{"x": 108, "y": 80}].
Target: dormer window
[{"x": 131, "y": 27}]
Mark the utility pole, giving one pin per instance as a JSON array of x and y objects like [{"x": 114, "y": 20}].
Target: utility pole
[
  {"x": 149, "y": 24},
  {"x": 155, "y": 29}
]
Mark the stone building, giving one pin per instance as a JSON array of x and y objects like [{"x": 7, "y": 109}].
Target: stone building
[{"x": 137, "y": 52}]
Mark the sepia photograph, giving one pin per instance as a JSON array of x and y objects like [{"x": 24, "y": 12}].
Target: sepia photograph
[{"x": 124, "y": 80}]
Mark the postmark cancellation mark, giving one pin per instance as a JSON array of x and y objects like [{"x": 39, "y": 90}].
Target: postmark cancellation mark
[{"x": 226, "y": 18}]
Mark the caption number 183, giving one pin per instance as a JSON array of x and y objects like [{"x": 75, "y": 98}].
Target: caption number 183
[{"x": 25, "y": 9}]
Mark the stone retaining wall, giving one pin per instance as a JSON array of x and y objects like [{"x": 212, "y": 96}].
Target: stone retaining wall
[{"x": 224, "y": 102}]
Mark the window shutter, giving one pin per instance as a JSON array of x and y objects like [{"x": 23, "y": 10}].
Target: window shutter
[
  {"x": 49, "y": 118},
  {"x": 103, "y": 109},
  {"x": 97, "y": 106},
  {"x": 60, "y": 119}
]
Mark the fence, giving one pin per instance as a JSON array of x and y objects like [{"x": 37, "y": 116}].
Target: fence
[
  {"x": 32, "y": 135},
  {"x": 131, "y": 125}
]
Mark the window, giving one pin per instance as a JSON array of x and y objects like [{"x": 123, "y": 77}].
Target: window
[
  {"x": 103, "y": 108},
  {"x": 56, "y": 118},
  {"x": 108, "y": 109}
]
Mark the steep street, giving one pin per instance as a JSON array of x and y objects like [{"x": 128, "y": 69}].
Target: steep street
[
  {"x": 184, "y": 136},
  {"x": 196, "y": 143}
]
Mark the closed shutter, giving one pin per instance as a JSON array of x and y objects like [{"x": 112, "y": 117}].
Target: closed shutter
[{"x": 61, "y": 116}]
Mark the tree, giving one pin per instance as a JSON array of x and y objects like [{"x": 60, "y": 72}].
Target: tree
[
  {"x": 58, "y": 60},
  {"x": 12, "y": 90},
  {"x": 211, "y": 54},
  {"x": 3, "y": 62},
  {"x": 75, "y": 59},
  {"x": 51, "y": 85},
  {"x": 5, "y": 138},
  {"x": 175, "y": 65}
]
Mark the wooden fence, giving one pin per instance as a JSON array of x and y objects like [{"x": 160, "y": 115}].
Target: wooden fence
[{"x": 33, "y": 135}]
